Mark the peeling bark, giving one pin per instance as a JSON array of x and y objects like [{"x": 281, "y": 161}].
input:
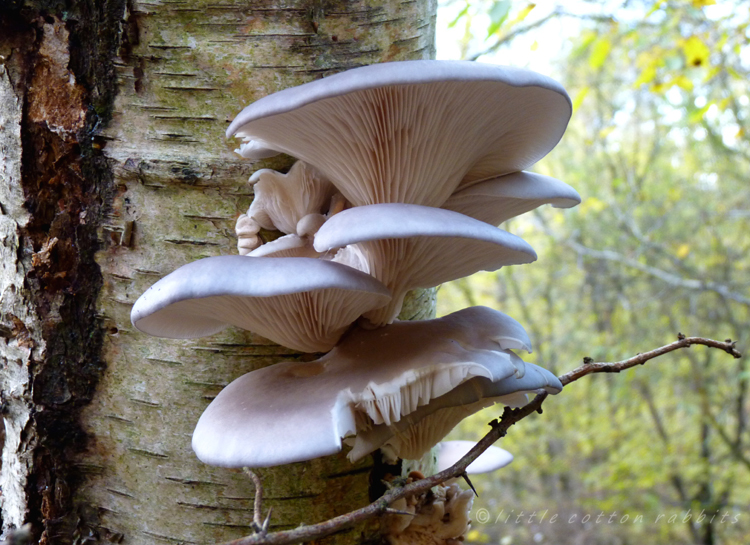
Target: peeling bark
[{"x": 100, "y": 198}]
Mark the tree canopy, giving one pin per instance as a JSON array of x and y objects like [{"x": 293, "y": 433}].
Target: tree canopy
[{"x": 658, "y": 147}]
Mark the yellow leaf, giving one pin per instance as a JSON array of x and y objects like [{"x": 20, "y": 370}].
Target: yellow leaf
[
  {"x": 696, "y": 51},
  {"x": 683, "y": 82},
  {"x": 523, "y": 14},
  {"x": 732, "y": 72},
  {"x": 659, "y": 87},
  {"x": 655, "y": 8},
  {"x": 712, "y": 74},
  {"x": 599, "y": 53},
  {"x": 579, "y": 97},
  {"x": 647, "y": 76},
  {"x": 606, "y": 131},
  {"x": 697, "y": 115},
  {"x": 682, "y": 251},
  {"x": 703, "y": 3},
  {"x": 475, "y": 536},
  {"x": 534, "y": 46},
  {"x": 592, "y": 204}
]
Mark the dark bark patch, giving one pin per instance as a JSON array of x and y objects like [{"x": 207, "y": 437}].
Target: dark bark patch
[{"x": 62, "y": 66}]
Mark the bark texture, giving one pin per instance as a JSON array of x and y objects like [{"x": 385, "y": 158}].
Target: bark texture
[{"x": 102, "y": 196}]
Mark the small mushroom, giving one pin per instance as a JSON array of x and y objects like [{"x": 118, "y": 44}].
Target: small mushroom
[
  {"x": 247, "y": 234},
  {"x": 301, "y": 303},
  {"x": 413, "y": 131},
  {"x": 282, "y": 200},
  {"x": 499, "y": 199},
  {"x": 410, "y": 246},
  {"x": 294, "y": 245},
  {"x": 439, "y": 516},
  {"x": 294, "y": 411},
  {"x": 492, "y": 459},
  {"x": 255, "y": 150}
]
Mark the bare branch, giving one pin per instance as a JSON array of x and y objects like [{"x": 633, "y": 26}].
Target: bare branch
[
  {"x": 669, "y": 278},
  {"x": 519, "y": 31},
  {"x": 590, "y": 367},
  {"x": 499, "y": 428},
  {"x": 513, "y": 35}
]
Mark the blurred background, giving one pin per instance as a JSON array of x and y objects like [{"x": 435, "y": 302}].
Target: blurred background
[{"x": 658, "y": 147}]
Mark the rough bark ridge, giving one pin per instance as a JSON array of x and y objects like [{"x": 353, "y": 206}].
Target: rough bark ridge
[
  {"x": 103, "y": 451},
  {"x": 53, "y": 181}
]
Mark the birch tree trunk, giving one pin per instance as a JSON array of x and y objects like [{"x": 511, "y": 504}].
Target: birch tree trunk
[{"x": 114, "y": 171}]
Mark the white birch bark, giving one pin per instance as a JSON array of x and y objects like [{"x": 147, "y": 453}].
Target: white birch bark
[{"x": 184, "y": 70}]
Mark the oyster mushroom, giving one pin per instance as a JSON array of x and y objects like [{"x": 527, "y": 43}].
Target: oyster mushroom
[
  {"x": 282, "y": 200},
  {"x": 409, "y": 246},
  {"x": 499, "y": 199},
  {"x": 301, "y": 303},
  {"x": 294, "y": 411},
  {"x": 410, "y": 132}
]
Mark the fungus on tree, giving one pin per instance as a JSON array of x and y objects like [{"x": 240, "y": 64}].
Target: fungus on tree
[
  {"x": 294, "y": 411},
  {"x": 439, "y": 516},
  {"x": 427, "y": 157},
  {"x": 301, "y": 303},
  {"x": 414, "y": 434},
  {"x": 410, "y": 132},
  {"x": 499, "y": 199},
  {"x": 408, "y": 246}
]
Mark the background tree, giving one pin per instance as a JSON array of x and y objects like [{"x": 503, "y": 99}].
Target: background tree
[
  {"x": 114, "y": 171},
  {"x": 658, "y": 148}
]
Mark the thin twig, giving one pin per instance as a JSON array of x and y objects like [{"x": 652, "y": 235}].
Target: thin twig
[
  {"x": 259, "y": 524},
  {"x": 499, "y": 428},
  {"x": 682, "y": 342}
]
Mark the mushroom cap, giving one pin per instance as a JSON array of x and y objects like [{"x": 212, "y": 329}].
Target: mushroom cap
[
  {"x": 412, "y": 131},
  {"x": 302, "y": 303},
  {"x": 499, "y": 199},
  {"x": 408, "y": 246},
  {"x": 418, "y": 431},
  {"x": 286, "y": 246},
  {"x": 255, "y": 150},
  {"x": 294, "y": 411},
  {"x": 450, "y": 452}
]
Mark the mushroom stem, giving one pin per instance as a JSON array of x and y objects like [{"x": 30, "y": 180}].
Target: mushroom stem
[{"x": 338, "y": 203}]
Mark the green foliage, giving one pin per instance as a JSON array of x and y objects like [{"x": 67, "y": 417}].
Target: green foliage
[{"x": 659, "y": 150}]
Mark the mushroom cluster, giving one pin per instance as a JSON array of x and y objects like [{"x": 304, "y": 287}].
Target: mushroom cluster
[
  {"x": 439, "y": 516},
  {"x": 404, "y": 171}
]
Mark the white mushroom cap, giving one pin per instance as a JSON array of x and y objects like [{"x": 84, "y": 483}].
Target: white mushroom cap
[
  {"x": 286, "y": 246},
  {"x": 450, "y": 452},
  {"x": 301, "y": 303},
  {"x": 418, "y": 431},
  {"x": 412, "y": 131},
  {"x": 299, "y": 245},
  {"x": 408, "y": 246},
  {"x": 255, "y": 149},
  {"x": 499, "y": 199},
  {"x": 282, "y": 200},
  {"x": 291, "y": 411}
]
